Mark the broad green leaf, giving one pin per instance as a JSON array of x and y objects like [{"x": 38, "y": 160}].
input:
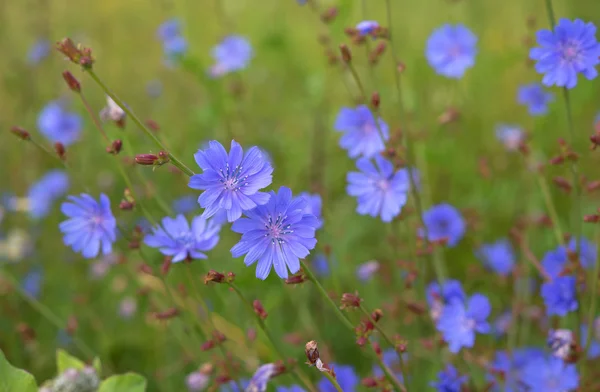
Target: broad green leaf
[
  {"x": 65, "y": 361},
  {"x": 13, "y": 379},
  {"x": 128, "y": 382}
]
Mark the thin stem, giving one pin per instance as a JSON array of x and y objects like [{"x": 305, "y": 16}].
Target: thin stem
[
  {"x": 173, "y": 159},
  {"x": 261, "y": 324},
  {"x": 391, "y": 343},
  {"x": 333, "y": 381},
  {"x": 550, "y": 11},
  {"x": 551, "y": 209},
  {"x": 95, "y": 119},
  {"x": 48, "y": 314},
  {"x": 388, "y": 374}
]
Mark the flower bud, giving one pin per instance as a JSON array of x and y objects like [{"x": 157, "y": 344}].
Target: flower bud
[
  {"x": 259, "y": 309},
  {"x": 591, "y": 218},
  {"x": 377, "y": 315},
  {"x": 146, "y": 159},
  {"x": 166, "y": 265},
  {"x": 72, "y": 325},
  {"x": 115, "y": 147},
  {"x": 346, "y": 54},
  {"x": 77, "y": 55},
  {"x": 296, "y": 279},
  {"x": 126, "y": 205},
  {"x": 71, "y": 81},
  {"x": 20, "y": 133},
  {"x": 350, "y": 300},
  {"x": 214, "y": 276},
  {"x": 329, "y": 15},
  {"x": 375, "y": 100},
  {"x": 167, "y": 314},
  {"x": 60, "y": 150},
  {"x": 369, "y": 382},
  {"x": 562, "y": 183},
  {"x": 312, "y": 352}
]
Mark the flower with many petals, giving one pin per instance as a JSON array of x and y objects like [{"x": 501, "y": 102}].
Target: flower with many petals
[
  {"x": 443, "y": 223},
  {"x": 535, "y": 98},
  {"x": 232, "y": 54},
  {"x": 367, "y": 27},
  {"x": 52, "y": 186},
  {"x": 363, "y": 135},
  {"x": 451, "y": 50},
  {"x": 59, "y": 125},
  {"x": 459, "y": 322}
]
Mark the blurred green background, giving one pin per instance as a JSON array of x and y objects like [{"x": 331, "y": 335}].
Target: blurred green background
[{"x": 286, "y": 103}]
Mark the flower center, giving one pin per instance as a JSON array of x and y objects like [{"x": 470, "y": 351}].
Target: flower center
[
  {"x": 383, "y": 184},
  {"x": 570, "y": 51},
  {"x": 468, "y": 324},
  {"x": 369, "y": 128},
  {"x": 455, "y": 51},
  {"x": 231, "y": 179},
  {"x": 276, "y": 229},
  {"x": 185, "y": 238}
]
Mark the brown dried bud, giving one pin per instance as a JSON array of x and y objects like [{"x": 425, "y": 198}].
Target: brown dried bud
[
  {"x": 167, "y": 314},
  {"x": 346, "y": 54},
  {"x": 81, "y": 56},
  {"x": 369, "y": 382},
  {"x": 259, "y": 309},
  {"x": 214, "y": 276},
  {"x": 60, "y": 150},
  {"x": 115, "y": 147},
  {"x": 153, "y": 125},
  {"x": 145, "y": 269},
  {"x": 401, "y": 67},
  {"x": 329, "y": 15},
  {"x": 562, "y": 183},
  {"x": 557, "y": 160},
  {"x": 350, "y": 31},
  {"x": 126, "y": 205},
  {"x": 251, "y": 334},
  {"x": 593, "y": 186},
  {"x": 20, "y": 133},
  {"x": 72, "y": 325},
  {"x": 27, "y": 333},
  {"x": 296, "y": 279},
  {"x": 416, "y": 308},
  {"x": 72, "y": 82},
  {"x": 595, "y": 139},
  {"x": 591, "y": 218},
  {"x": 375, "y": 100},
  {"x": 166, "y": 265},
  {"x": 146, "y": 159},
  {"x": 312, "y": 352},
  {"x": 449, "y": 116},
  {"x": 377, "y": 315},
  {"x": 350, "y": 300}
]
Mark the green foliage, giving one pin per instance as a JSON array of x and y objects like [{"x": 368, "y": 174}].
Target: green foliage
[
  {"x": 128, "y": 382},
  {"x": 13, "y": 379}
]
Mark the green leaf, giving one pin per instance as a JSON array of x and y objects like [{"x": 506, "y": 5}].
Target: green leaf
[
  {"x": 65, "y": 361},
  {"x": 97, "y": 365},
  {"x": 128, "y": 382},
  {"x": 13, "y": 379}
]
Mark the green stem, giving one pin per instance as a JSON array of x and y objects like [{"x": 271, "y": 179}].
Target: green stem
[
  {"x": 551, "y": 209},
  {"x": 333, "y": 381},
  {"x": 173, "y": 159}
]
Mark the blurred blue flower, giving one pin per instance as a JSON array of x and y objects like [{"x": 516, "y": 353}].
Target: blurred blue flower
[
  {"x": 232, "y": 54},
  {"x": 587, "y": 251},
  {"x": 301, "y": 2},
  {"x": 346, "y": 377},
  {"x": 549, "y": 375},
  {"x": 127, "y": 307},
  {"x": 185, "y": 204},
  {"x": 560, "y": 295},
  {"x": 174, "y": 48},
  {"x": 197, "y": 381},
  {"x": 365, "y": 271},
  {"x": 379, "y": 189},
  {"x": 506, "y": 369},
  {"x": 177, "y": 239},
  {"x": 570, "y": 49},
  {"x": 502, "y": 323},
  {"x": 169, "y": 29},
  {"x": 498, "y": 256},
  {"x": 594, "y": 351},
  {"x": 535, "y": 98},
  {"x": 444, "y": 222},
  {"x": 231, "y": 181},
  {"x": 232, "y": 386},
  {"x": 451, "y": 290},
  {"x": 449, "y": 380},
  {"x": 52, "y": 186},
  {"x": 32, "y": 282},
  {"x": 59, "y": 125},
  {"x": 38, "y": 51},
  {"x": 367, "y": 27},
  {"x": 451, "y": 50},
  {"x": 391, "y": 360},
  {"x": 261, "y": 377},
  {"x": 91, "y": 226},
  {"x": 554, "y": 261},
  {"x": 458, "y": 323},
  {"x": 362, "y": 135},
  {"x": 276, "y": 234},
  {"x": 510, "y": 135},
  {"x": 320, "y": 265},
  {"x": 313, "y": 205},
  {"x": 293, "y": 388}
]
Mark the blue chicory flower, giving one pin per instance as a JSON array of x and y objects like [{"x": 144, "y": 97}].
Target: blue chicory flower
[
  {"x": 549, "y": 375},
  {"x": 178, "y": 239},
  {"x": 261, "y": 377},
  {"x": 559, "y": 295},
  {"x": 365, "y": 271},
  {"x": 231, "y": 181},
  {"x": 59, "y": 125},
  {"x": 362, "y": 135},
  {"x": 232, "y": 54},
  {"x": 276, "y": 234},
  {"x": 51, "y": 187},
  {"x": 436, "y": 298},
  {"x": 498, "y": 256},
  {"x": 169, "y": 29},
  {"x": 507, "y": 369},
  {"x": 569, "y": 50},
  {"x": 511, "y": 136},
  {"x": 91, "y": 227},
  {"x": 535, "y": 98},
  {"x": 379, "y": 189},
  {"x": 459, "y": 322},
  {"x": 185, "y": 204},
  {"x": 444, "y": 222},
  {"x": 38, "y": 51},
  {"x": 451, "y": 50},
  {"x": 449, "y": 380},
  {"x": 346, "y": 377},
  {"x": 367, "y": 27},
  {"x": 313, "y": 205}
]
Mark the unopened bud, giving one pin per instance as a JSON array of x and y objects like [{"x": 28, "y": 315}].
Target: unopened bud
[
  {"x": 81, "y": 56},
  {"x": 329, "y": 15},
  {"x": 296, "y": 279},
  {"x": 557, "y": 160},
  {"x": 591, "y": 218},
  {"x": 126, "y": 205},
  {"x": 562, "y": 183},
  {"x": 214, "y": 276},
  {"x": 167, "y": 314},
  {"x": 312, "y": 352},
  {"x": 71, "y": 81},
  {"x": 20, "y": 133},
  {"x": 593, "y": 186},
  {"x": 60, "y": 150},
  {"x": 208, "y": 345},
  {"x": 375, "y": 100},
  {"x": 166, "y": 265},
  {"x": 346, "y": 54},
  {"x": 146, "y": 159},
  {"x": 369, "y": 382},
  {"x": 259, "y": 309},
  {"x": 115, "y": 147},
  {"x": 377, "y": 315},
  {"x": 145, "y": 269},
  {"x": 153, "y": 125},
  {"x": 350, "y": 300}
]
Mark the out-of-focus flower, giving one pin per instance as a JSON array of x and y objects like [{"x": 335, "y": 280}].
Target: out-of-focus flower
[
  {"x": 91, "y": 227},
  {"x": 177, "y": 239},
  {"x": 99, "y": 268},
  {"x": 258, "y": 382},
  {"x": 83, "y": 380},
  {"x": 559, "y": 295},
  {"x": 231, "y": 181},
  {"x": 367, "y": 27},
  {"x": 554, "y": 261},
  {"x": 345, "y": 376},
  {"x": 313, "y": 205},
  {"x": 276, "y": 234},
  {"x": 510, "y": 135},
  {"x": 293, "y": 388},
  {"x": 52, "y": 186},
  {"x": 587, "y": 251},
  {"x": 38, "y": 51},
  {"x": 16, "y": 246},
  {"x": 451, "y": 50},
  {"x": 232, "y": 54},
  {"x": 502, "y": 323},
  {"x": 561, "y": 342},
  {"x": 320, "y": 265},
  {"x": 535, "y": 98},
  {"x": 378, "y": 189},
  {"x": 154, "y": 88},
  {"x": 232, "y": 386},
  {"x": 185, "y": 204},
  {"x": 59, "y": 125},
  {"x": 174, "y": 44},
  {"x": 112, "y": 111},
  {"x": 569, "y": 50},
  {"x": 507, "y": 368},
  {"x": 449, "y": 380},
  {"x": 127, "y": 307},
  {"x": 391, "y": 360},
  {"x": 549, "y": 375},
  {"x": 436, "y": 298},
  {"x": 196, "y": 381},
  {"x": 458, "y": 323},
  {"x": 444, "y": 222},
  {"x": 594, "y": 351},
  {"x": 32, "y": 282},
  {"x": 169, "y": 29},
  {"x": 362, "y": 135},
  {"x": 498, "y": 256},
  {"x": 365, "y": 271}
]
